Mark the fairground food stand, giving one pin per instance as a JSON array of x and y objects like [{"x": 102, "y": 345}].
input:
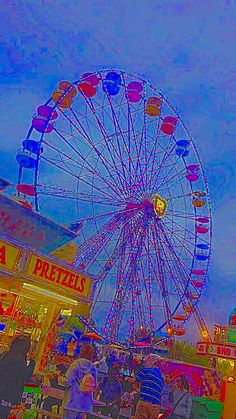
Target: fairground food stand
[
  {"x": 35, "y": 287},
  {"x": 34, "y": 290}
]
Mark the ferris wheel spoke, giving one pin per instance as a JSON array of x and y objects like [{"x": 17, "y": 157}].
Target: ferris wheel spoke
[
  {"x": 112, "y": 152},
  {"x": 177, "y": 272},
  {"x": 150, "y": 300},
  {"x": 172, "y": 183},
  {"x": 104, "y": 162},
  {"x": 118, "y": 130},
  {"x": 85, "y": 163},
  {"x": 132, "y": 135},
  {"x": 177, "y": 279},
  {"x": 134, "y": 160},
  {"x": 181, "y": 241},
  {"x": 180, "y": 175},
  {"x": 179, "y": 261},
  {"x": 188, "y": 252},
  {"x": 109, "y": 264},
  {"x": 115, "y": 315},
  {"x": 156, "y": 156},
  {"x": 166, "y": 155},
  {"x": 156, "y": 142},
  {"x": 184, "y": 284},
  {"x": 173, "y": 166},
  {"x": 141, "y": 166},
  {"x": 86, "y": 182},
  {"x": 189, "y": 232},
  {"x": 178, "y": 213},
  {"x": 160, "y": 284},
  {"x": 80, "y": 196},
  {"x": 90, "y": 250},
  {"x": 144, "y": 134},
  {"x": 184, "y": 231},
  {"x": 74, "y": 198},
  {"x": 152, "y": 325},
  {"x": 185, "y": 195},
  {"x": 163, "y": 282}
]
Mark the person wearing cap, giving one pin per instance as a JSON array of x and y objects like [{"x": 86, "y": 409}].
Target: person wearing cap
[
  {"x": 111, "y": 390},
  {"x": 151, "y": 385}
]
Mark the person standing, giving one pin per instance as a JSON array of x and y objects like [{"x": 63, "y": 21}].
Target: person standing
[
  {"x": 109, "y": 359},
  {"x": 102, "y": 368},
  {"x": 151, "y": 385},
  {"x": 166, "y": 403},
  {"x": 111, "y": 391},
  {"x": 129, "y": 362},
  {"x": 81, "y": 382},
  {"x": 127, "y": 401},
  {"x": 182, "y": 399},
  {"x": 54, "y": 381},
  {"x": 122, "y": 359},
  {"x": 14, "y": 372},
  {"x": 139, "y": 366}
]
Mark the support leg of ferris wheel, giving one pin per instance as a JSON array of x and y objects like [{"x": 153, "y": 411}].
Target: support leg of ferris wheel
[
  {"x": 202, "y": 325},
  {"x": 123, "y": 293}
]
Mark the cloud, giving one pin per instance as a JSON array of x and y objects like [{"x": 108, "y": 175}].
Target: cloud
[{"x": 224, "y": 244}]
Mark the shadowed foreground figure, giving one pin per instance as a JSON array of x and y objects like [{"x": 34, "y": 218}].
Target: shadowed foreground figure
[
  {"x": 14, "y": 372},
  {"x": 182, "y": 399},
  {"x": 111, "y": 391}
]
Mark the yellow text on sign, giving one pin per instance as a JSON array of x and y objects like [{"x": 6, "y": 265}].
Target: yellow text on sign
[
  {"x": 59, "y": 275},
  {"x": 9, "y": 255}
]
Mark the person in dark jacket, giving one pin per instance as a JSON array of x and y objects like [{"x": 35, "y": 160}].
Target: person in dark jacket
[
  {"x": 14, "y": 372},
  {"x": 50, "y": 401}
]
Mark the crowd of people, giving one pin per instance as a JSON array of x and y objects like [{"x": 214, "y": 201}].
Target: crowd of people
[{"x": 126, "y": 387}]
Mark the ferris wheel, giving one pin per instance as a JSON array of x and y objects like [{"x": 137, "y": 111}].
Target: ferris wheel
[{"x": 111, "y": 154}]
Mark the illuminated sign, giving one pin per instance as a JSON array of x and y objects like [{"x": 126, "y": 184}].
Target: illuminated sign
[
  {"x": 202, "y": 348},
  {"x": 31, "y": 228},
  {"x": 216, "y": 350},
  {"x": 232, "y": 336},
  {"x": 10, "y": 256},
  {"x": 59, "y": 275}
]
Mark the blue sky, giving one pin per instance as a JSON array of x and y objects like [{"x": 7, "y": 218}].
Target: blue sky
[{"x": 187, "y": 50}]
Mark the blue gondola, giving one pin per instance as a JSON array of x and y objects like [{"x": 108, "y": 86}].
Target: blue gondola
[
  {"x": 25, "y": 159},
  {"x": 181, "y": 152},
  {"x": 183, "y": 143},
  {"x": 201, "y": 257},
  {"x": 31, "y": 145},
  {"x": 114, "y": 77}
]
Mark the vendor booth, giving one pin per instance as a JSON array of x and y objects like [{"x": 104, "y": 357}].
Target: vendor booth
[{"x": 35, "y": 290}]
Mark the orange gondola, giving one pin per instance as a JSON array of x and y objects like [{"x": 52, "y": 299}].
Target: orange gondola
[{"x": 179, "y": 317}]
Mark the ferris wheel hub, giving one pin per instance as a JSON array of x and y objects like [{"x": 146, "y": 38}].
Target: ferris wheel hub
[
  {"x": 160, "y": 205},
  {"x": 152, "y": 205}
]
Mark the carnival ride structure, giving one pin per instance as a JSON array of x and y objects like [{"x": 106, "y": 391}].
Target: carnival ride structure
[{"x": 109, "y": 153}]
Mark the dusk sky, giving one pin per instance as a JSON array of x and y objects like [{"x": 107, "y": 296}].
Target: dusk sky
[{"x": 185, "y": 48}]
